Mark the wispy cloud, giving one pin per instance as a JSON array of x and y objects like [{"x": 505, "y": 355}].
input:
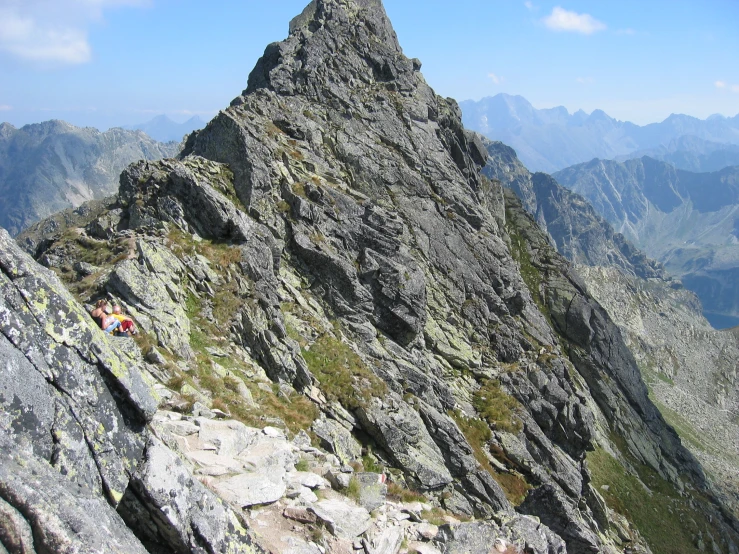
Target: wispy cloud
[
  {"x": 52, "y": 30},
  {"x": 563, "y": 20},
  {"x": 5, "y": 108},
  {"x": 723, "y": 85},
  {"x": 585, "y": 80},
  {"x": 497, "y": 79},
  {"x": 628, "y": 31},
  {"x": 530, "y": 6}
]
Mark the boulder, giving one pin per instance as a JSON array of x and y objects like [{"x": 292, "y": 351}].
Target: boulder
[{"x": 343, "y": 519}]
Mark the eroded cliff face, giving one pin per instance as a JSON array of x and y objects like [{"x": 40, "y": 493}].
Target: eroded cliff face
[
  {"x": 689, "y": 367},
  {"x": 331, "y": 233}
]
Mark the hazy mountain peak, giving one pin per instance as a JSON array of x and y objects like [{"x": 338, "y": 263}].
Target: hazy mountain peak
[
  {"x": 552, "y": 139},
  {"x": 164, "y": 129}
]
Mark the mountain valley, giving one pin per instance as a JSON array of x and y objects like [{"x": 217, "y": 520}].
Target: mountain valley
[{"x": 688, "y": 221}]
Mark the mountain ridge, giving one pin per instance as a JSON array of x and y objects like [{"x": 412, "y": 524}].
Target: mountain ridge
[
  {"x": 46, "y": 167},
  {"x": 686, "y": 220},
  {"x": 328, "y": 245},
  {"x": 552, "y": 139}
]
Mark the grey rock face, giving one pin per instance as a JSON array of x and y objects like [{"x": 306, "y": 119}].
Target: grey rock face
[
  {"x": 75, "y": 404},
  {"x": 42, "y": 512},
  {"x": 47, "y": 167}
]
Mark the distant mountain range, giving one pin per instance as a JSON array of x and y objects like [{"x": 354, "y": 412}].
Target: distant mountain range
[
  {"x": 47, "y": 167},
  {"x": 163, "y": 129},
  {"x": 552, "y": 139},
  {"x": 692, "y": 154},
  {"x": 688, "y": 221}
]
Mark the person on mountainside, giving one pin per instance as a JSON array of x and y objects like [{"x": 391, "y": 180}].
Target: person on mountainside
[
  {"x": 100, "y": 314},
  {"x": 128, "y": 327}
]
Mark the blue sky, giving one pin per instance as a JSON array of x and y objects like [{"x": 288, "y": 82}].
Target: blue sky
[{"x": 117, "y": 62}]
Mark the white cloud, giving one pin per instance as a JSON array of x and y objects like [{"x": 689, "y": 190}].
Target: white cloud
[
  {"x": 563, "y": 20},
  {"x": 52, "y": 30},
  {"x": 530, "y": 6},
  {"x": 5, "y": 108},
  {"x": 720, "y": 84},
  {"x": 497, "y": 79},
  {"x": 626, "y": 32},
  {"x": 585, "y": 80},
  {"x": 734, "y": 88}
]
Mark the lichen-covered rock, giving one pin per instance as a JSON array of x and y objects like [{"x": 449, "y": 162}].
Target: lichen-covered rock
[
  {"x": 151, "y": 285},
  {"x": 41, "y": 511},
  {"x": 401, "y": 432},
  {"x": 74, "y": 405},
  {"x": 172, "y": 509}
]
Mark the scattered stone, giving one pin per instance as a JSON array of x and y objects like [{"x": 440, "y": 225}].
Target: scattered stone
[
  {"x": 300, "y": 514},
  {"x": 153, "y": 356},
  {"x": 216, "y": 352},
  {"x": 427, "y": 531},
  {"x": 342, "y": 519}
]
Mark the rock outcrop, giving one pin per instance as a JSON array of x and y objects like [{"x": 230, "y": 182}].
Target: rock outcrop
[
  {"x": 77, "y": 455},
  {"x": 344, "y": 267}
]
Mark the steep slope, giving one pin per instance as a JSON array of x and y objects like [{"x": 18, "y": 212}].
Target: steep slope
[
  {"x": 688, "y": 221},
  {"x": 80, "y": 471},
  {"x": 331, "y": 230},
  {"x": 689, "y": 367},
  {"x": 47, "y": 167},
  {"x": 577, "y": 231},
  {"x": 552, "y": 139}
]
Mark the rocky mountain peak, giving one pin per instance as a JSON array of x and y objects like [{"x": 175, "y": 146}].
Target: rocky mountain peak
[
  {"x": 329, "y": 240},
  {"x": 339, "y": 42}
]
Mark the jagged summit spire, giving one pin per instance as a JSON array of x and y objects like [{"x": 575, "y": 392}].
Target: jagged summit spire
[
  {"x": 370, "y": 11},
  {"x": 333, "y": 40}
]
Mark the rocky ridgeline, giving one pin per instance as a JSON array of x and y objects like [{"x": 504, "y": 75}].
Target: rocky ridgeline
[
  {"x": 689, "y": 367},
  {"x": 325, "y": 259}
]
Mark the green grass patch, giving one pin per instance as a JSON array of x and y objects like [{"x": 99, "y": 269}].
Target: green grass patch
[
  {"x": 530, "y": 273},
  {"x": 353, "y": 490},
  {"x": 666, "y": 521},
  {"x": 342, "y": 373},
  {"x": 664, "y": 378},
  {"x": 497, "y": 407},
  {"x": 478, "y": 434},
  {"x": 399, "y": 493},
  {"x": 302, "y": 465}
]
